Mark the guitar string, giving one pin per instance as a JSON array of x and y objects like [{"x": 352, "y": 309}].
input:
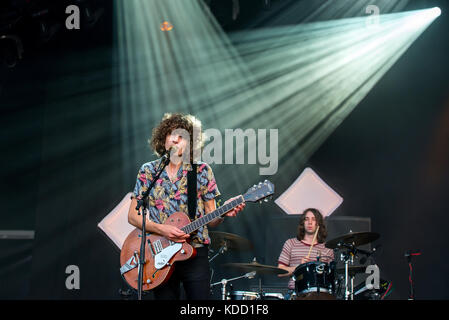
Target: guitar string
[{"x": 209, "y": 217}]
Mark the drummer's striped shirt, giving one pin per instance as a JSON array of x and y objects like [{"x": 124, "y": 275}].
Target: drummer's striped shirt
[{"x": 294, "y": 250}]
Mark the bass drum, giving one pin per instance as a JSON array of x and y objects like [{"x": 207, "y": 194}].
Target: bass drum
[{"x": 314, "y": 280}]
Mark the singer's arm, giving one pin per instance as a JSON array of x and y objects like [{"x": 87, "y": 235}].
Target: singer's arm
[
  {"x": 210, "y": 206},
  {"x": 171, "y": 232}
]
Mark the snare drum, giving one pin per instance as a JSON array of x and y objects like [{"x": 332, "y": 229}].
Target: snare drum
[
  {"x": 243, "y": 295},
  {"x": 316, "y": 277},
  {"x": 273, "y": 296}
]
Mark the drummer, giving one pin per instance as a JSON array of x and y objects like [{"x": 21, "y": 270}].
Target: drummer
[{"x": 296, "y": 250}]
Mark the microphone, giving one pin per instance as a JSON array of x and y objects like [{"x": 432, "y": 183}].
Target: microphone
[
  {"x": 166, "y": 155},
  {"x": 411, "y": 253}
]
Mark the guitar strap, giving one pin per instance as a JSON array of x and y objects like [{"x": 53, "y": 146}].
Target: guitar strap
[{"x": 192, "y": 192}]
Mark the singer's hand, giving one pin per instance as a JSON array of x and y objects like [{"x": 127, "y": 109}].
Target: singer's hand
[
  {"x": 233, "y": 212},
  {"x": 173, "y": 233}
]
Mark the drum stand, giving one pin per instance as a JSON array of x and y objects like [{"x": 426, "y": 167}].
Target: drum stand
[
  {"x": 348, "y": 257},
  {"x": 348, "y": 243},
  {"x": 224, "y": 282}
]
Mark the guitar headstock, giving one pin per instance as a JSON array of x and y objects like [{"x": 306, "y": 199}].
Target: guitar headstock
[{"x": 259, "y": 192}]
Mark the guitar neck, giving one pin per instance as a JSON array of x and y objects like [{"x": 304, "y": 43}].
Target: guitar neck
[{"x": 198, "y": 223}]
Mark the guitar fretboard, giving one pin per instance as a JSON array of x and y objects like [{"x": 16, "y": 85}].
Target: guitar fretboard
[{"x": 198, "y": 223}]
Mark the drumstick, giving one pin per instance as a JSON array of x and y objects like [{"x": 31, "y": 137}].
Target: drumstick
[{"x": 313, "y": 241}]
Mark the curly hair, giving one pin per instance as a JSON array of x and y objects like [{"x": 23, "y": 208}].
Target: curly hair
[
  {"x": 172, "y": 121},
  {"x": 322, "y": 233}
]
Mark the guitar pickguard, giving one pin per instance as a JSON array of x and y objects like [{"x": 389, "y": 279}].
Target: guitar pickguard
[{"x": 162, "y": 258}]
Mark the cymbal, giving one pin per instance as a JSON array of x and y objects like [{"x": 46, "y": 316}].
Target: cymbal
[
  {"x": 354, "y": 238},
  {"x": 232, "y": 241},
  {"x": 352, "y": 270},
  {"x": 255, "y": 266}
]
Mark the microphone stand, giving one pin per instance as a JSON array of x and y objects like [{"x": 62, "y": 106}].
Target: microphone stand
[
  {"x": 142, "y": 206},
  {"x": 410, "y": 277},
  {"x": 409, "y": 255}
]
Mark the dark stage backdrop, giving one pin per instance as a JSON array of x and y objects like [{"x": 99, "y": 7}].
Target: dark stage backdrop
[{"x": 62, "y": 172}]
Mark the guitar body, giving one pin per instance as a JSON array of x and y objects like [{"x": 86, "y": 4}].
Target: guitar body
[{"x": 163, "y": 252}]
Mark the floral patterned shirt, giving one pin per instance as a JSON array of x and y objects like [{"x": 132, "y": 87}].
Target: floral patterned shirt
[{"x": 168, "y": 197}]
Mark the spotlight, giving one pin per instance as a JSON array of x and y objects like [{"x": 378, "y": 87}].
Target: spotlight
[
  {"x": 423, "y": 17},
  {"x": 11, "y": 50},
  {"x": 436, "y": 11},
  {"x": 166, "y": 26},
  {"x": 432, "y": 13}
]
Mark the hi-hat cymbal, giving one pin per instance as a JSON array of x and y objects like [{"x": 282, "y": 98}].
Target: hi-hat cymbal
[
  {"x": 354, "y": 238},
  {"x": 255, "y": 266},
  {"x": 232, "y": 241}
]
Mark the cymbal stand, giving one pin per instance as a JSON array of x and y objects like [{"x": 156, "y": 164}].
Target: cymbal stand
[
  {"x": 224, "y": 282},
  {"x": 261, "y": 293},
  {"x": 348, "y": 257},
  {"x": 222, "y": 250}
]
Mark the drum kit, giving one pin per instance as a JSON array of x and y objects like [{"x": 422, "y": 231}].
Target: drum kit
[{"x": 313, "y": 280}]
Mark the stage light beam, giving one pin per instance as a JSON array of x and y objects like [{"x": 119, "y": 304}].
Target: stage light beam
[{"x": 301, "y": 79}]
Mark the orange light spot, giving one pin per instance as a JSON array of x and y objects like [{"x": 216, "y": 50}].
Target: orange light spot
[{"x": 166, "y": 26}]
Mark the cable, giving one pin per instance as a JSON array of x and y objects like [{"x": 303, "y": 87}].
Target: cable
[{"x": 388, "y": 289}]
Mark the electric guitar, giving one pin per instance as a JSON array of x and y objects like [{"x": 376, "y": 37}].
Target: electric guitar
[{"x": 162, "y": 253}]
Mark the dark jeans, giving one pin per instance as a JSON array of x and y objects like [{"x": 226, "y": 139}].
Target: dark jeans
[{"x": 194, "y": 275}]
